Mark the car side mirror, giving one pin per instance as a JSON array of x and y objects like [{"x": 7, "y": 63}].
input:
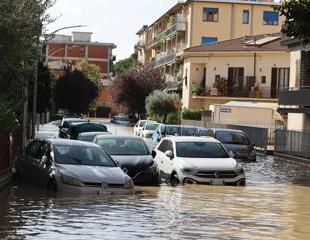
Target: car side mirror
[
  {"x": 153, "y": 153},
  {"x": 60, "y": 127},
  {"x": 116, "y": 162},
  {"x": 232, "y": 154},
  {"x": 169, "y": 154}
]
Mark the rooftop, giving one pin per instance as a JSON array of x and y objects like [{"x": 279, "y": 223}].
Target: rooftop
[{"x": 265, "y": 42}]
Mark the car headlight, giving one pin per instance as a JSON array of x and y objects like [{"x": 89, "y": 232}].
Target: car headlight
[
  {"x": 239, "y": 168},
  {"x": 128, "y": 184},
  {"x": 71, "y": 181}
]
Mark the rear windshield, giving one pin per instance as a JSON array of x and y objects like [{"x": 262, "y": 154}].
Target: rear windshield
[
  {"x": 173, "y": 130},
  {"x": 232, "y": 138},
  {"x": 188, "y": 131},
  {"x": 129, "y": 146},
  {"x": 123, "y": 119},
  {"x": 82, "y": 155},
  {"x": 200, "y": 150},
  {"x": 88, "y": 138},
  {"x": 151, "y": 126}
]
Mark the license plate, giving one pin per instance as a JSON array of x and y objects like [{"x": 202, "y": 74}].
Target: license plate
[{"x": 217, "y": 182}]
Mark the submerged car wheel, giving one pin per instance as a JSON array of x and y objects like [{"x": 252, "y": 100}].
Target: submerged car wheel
[
  {"x": 174, "y": 179},
  {"x": 52, "y": 184},
  {"x": 241, "y": 182}
]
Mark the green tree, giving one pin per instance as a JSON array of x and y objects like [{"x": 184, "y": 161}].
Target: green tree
[
  {"x": 74, "y": 92},
  {"x": 126, "y": 65},
  {"x": 130, "y": 90},
  {"x": 91, "y": 71},
  {"x": 297, "y": 23},
  {"x": 21, "y": 23},
  {"x": 161, "y": 103}
]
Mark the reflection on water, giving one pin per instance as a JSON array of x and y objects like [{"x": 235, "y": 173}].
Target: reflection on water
[{"x": 274, "y": 205}]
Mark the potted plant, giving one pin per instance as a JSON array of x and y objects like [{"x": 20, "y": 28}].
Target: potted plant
[{"x": 196, "y": 89}]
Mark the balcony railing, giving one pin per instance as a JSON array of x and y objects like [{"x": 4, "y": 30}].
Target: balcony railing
[
  {"x": 177, "y": 25},
  {"x": 295, "y": 97},
  {"x": 242, "y": 92},
  {"x": 166, "y": 57}
]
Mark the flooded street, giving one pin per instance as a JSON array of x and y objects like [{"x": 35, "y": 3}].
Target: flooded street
[{"x": 275, "y": 204}]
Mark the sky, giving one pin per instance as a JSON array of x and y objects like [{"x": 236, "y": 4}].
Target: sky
[{"x": 112, "y": 21}]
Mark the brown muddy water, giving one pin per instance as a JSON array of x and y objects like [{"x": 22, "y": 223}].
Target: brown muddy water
[{"x": 275, "y": 204}]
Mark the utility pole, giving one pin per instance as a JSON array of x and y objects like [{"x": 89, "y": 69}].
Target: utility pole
[{"x": 35, "y": 89}]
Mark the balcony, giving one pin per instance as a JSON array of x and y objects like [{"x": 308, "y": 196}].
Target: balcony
[
  {"x": 169, "y": 56},
  {"x": 178, "y": 24},
  {"x": 295, "y": 100}
]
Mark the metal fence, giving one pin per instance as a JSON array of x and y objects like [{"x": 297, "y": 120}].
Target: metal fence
[
  {"x": 293, "y": 143},
  {"x": 260, "y": 136}
]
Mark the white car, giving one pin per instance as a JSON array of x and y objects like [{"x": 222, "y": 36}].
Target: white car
[
  {"x": 184, "y": 160},
  {"x": 139, "y": 126},
  {"x": 73, "y": 167},
  {"x": 148, "y": 129}
]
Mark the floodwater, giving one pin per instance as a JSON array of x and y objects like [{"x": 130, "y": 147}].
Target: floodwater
[{"x": 275, "y": 204}]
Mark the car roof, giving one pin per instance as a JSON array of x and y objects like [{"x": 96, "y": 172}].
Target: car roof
[
  {"x": 71, "y": 142},
  {"x": 118, "y": 137},
  {"x": 191, "y": 139},
  {"x": 74, "y": 119},
  {"x": 93, "y": 133},
  {"x": 227, "y": 130}
]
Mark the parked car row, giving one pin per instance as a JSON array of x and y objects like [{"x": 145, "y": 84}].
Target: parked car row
[{"x": 234, "y": 140}]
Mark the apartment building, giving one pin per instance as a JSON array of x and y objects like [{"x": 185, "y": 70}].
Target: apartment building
[
  {"x": 68, "y": 50},
  {"x": 251, "y": 68},
  {"x": 200, "y": 22}
]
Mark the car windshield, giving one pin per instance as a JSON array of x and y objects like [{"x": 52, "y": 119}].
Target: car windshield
[
  {"x": 123, "y": 119},
  {"x": 151, "y": 126},
  {"x": 200, "y": 150},
  {"x": 173, "y": 130},
  {"x": 232, "y": 138},
  {"x": 123, "y": 146},
  {"x": 82, "y": 155},
  {"x": 188, "y": 131}
]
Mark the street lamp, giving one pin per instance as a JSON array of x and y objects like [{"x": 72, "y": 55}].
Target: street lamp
[{"x": 35, "y": 83}]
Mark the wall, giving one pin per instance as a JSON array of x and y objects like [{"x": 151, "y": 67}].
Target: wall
[
  {"x": 230, "y": 22},
  {"x": 295, "y": 57},
  {"x": 243, "y": 115},
  {"x": 218, "y": 64}
]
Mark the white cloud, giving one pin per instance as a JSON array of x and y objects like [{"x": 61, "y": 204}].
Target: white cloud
[{"x": 115, "y": 21}]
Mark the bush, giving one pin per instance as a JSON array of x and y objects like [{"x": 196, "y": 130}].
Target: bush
[
  {"x": 161, "y": 103},
  {"x": 192, "y": 114},
  {"x": 8, "y": 120},
  {"x": 173, "y": 118}
]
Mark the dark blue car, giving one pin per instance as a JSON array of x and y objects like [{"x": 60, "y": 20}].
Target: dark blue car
[{"x": 235, "y": 141}]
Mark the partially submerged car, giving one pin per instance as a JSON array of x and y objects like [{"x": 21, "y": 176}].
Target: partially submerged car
[
  {"x": 166, "y": 130},
  {"x": 183, "y": 160},
  {"x": 90, "y": 136},
  {"x": 73, "y": 166},
  {"x": 236, "y": 141},
  {"x": 65, "y": 125},
  {"x": 78, "y": 128},
  {"x": 133, "y": 156},
  {"x": 139, "y": 126},
  {"x": 148, "y": 129}
]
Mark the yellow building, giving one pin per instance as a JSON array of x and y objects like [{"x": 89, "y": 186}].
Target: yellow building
[
  {"x": 195, "y": 22},
  {"x": 252, "y": 68}
]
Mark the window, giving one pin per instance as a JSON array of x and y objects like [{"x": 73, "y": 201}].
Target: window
[
  {"x": 271, "y": 18},
  {"x": 208, "y": 40},
  {"x": 210, "y": 14},
  {"x": 201, "y": 150},
  {"x": 245, "y": 16},
  {"x": 264, "y": 79},
  {"x": 226, "y": 137},
  {"x": 163, "y": 146}
]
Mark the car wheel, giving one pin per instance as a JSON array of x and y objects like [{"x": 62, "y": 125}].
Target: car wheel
[
  {"x": 52, "y": 184},
  {"x": 241, "y": 182},
  {"x": 174, "y": 180}
]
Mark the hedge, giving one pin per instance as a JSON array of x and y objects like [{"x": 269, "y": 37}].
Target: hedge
[{"x": 192, "y": 114}]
